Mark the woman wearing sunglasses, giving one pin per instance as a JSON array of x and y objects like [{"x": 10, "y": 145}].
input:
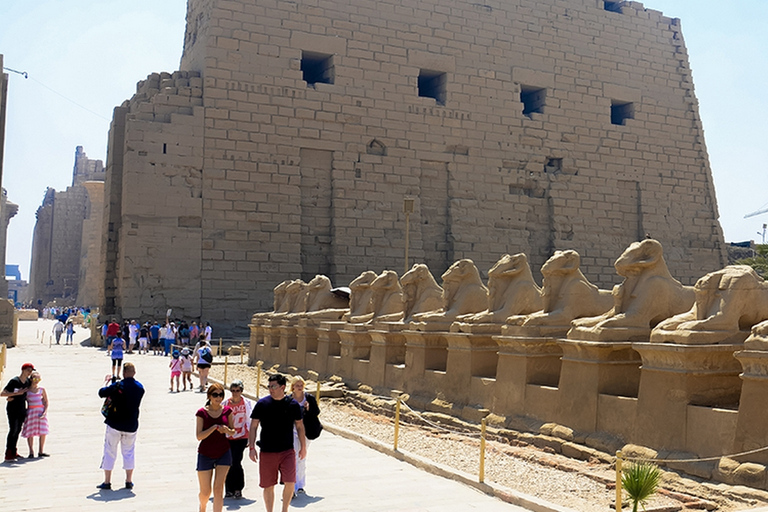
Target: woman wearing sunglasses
[
  {"x": 214, "y": 458},
  {"x": 241, "y": 414}
]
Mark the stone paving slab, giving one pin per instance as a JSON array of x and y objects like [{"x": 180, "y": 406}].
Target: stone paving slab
[{"x": 343, "y": 476}]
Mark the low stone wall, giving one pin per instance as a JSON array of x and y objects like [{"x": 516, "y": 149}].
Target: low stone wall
[
  {"x": 618, "y": 391},
  {"x": 27, "y": 314}
]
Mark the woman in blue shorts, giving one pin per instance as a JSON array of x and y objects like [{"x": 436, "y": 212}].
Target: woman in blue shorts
[{"x": 214, "y": 422}]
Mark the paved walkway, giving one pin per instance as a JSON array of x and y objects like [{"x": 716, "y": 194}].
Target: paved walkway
[{"x": 343, "y": 476}]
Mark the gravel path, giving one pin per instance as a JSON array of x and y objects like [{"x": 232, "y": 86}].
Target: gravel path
[{"x": 586, "y": 486}]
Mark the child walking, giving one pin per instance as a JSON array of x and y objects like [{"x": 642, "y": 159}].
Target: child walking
[
  {"x": 36, "y": 424},
  {"x": 186, "y": 368},
  {"x": 175, "y": 367}
]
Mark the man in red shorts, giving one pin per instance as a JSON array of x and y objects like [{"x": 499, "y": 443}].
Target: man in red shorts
[{"x": 277, "y": 414}]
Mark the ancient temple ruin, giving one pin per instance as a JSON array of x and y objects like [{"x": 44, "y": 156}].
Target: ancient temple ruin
[
  {"x": 66, "y": 243},
  {"x": 285, "y": 145},
  {"x": 655, "y": 367}
]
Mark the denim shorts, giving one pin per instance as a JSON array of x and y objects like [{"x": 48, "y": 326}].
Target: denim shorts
[{"x": 206, "y": 463}]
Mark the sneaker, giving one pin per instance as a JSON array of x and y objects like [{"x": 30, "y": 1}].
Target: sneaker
[
  {"x": 106, "y": 486},
  {"x": 238, "y": 494},
  {"x": 129, "y": 485},
  {"x": 229, "y": 494},
  {"x": 43, "y": 455},
  {"x": 300, "y": 491}
]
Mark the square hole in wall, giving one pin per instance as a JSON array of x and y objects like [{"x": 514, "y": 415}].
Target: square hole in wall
[
  {"x": 433, "y": 84},
  {"x": 612, "y": 6},
  {"x": 621, "y": 111},
  {"x": 533, "y": 99},
  {"x": 317, "y": 68}
]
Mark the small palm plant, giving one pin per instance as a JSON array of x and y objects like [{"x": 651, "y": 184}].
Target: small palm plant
[{"x": 641, "y": 482}]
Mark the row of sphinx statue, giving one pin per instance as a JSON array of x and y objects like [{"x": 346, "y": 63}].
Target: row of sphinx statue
[{"x": 649, "y": 305}]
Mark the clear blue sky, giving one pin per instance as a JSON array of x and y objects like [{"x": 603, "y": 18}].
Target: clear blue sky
[{"x": 92, "y": 52}]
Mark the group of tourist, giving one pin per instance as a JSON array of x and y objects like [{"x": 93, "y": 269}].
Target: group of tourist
[
  {"x": 159, "y": 338},
  {"x": 287, "y": 424},
  {"x": 27, "y": 409},
  {"x": 226, "y": 427}
]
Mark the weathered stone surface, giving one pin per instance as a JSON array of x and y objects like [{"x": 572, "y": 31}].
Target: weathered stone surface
[
  {"x": 290, "y": 176},
  {"x": 511, "y": 291},
  {"x": 728, "y": 303},
  {"x": 567, "y": 295},
  {"x": 648, "y": 295}
]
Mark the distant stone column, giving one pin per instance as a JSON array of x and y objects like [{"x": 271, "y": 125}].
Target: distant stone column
[{"x": 7, "y": 211}]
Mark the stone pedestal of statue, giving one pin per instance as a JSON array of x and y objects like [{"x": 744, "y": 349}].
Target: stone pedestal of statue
[
  {"x": 306, "y": 342},
  {"x": 470, "y": 370},
  {"x": 591, "y": 368},
  {"x": 387, "y": 363},
  {"x": 426, "y": 355},
  {"x": 527, "y": 373},
  {"x": 752, "y": 423},
  {"x": 256, "y": 343},
  {"x": 674, "y": 376},
  {"x": 287, "y": 333},
  {"x": 328, "y": 357},
  {"x": 355, "y": 352},
  {"x": 271, "y": 330}
]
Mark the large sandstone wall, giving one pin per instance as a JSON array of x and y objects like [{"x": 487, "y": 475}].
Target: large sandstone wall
[
  {"x": 91, "y": 278},
  {"x": 517, "y": 152},
  {"x": 153, "y": 204}
]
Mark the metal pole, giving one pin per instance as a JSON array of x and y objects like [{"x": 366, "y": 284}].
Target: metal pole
[
  {"x": 407, "y": 210},
  {"x": 318, "y": 391},
  {"x": 618, "y": 481},
  {"x": 241, "y": 352},
  {"x": 258, "y": 379},
  {"x": 397, "y": 422},
  {"x": 221, "y": 352},
  {"x": 407, "y": 239},
  {"x": 482, "y": 451},
  {"x": 226, "y": 367}
]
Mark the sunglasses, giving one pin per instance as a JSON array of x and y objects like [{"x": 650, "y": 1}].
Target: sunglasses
[
  {"x": 235, "y": 390},
  {"x": 273, "y": 386},
  {"x": 218, "y": 395}
]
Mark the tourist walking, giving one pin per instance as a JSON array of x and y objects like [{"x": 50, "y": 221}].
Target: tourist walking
[
  {"x": 175, "y": 367},
  {"x": 203, "y": 359},
  {"x": 58, "y": 328},
  {"x": 70, "y": 331},
  {"x": 241, "y": 412},
  {"x": 214, "y": 458},
  {"x": 186, "y": 368},
  {"x": 170, "y": 338},
  {"x": 133, "y": 335},
  {"x": 312, "y": 428},
  {"x": 154, "y": 338},
  {"x": 194, "y": 334},
  {"x": 113, "y": 329},
  {"x": 115, "y": 349},
  {"x": 16, "y": 408},
  {"x": 144, "y": 338},
  {"x": 36, "y": 423},
  {"x": 277, "y": 414},
  {"x": 122, "y": 425}
]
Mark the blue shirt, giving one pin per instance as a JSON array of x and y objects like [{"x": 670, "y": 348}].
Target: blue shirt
[{"x": 126, "y": 397}]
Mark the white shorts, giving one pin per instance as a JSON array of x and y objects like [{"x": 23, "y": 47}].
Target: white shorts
[{"x": 143, "y": 342}]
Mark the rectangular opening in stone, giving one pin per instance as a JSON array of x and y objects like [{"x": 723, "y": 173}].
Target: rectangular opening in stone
[
  {"x": 612, "y": 6},
  {"x": 432, "y": 84},
  {"x": 317, "y": 68},
  {"x": 621, "y": 111},
  {"x": 533, "y": 99}
]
